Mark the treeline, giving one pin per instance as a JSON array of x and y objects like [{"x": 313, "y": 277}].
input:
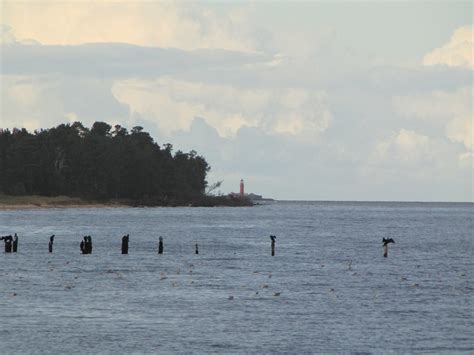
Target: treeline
[{"x": 100, "y": 163}]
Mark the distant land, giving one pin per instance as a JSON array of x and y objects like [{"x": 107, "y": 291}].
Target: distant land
[
  {"x": 72, "y": 165},
  {"x": 250, "y": 196}
]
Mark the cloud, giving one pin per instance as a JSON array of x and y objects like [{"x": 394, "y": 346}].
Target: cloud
[
  {"x": 406, "y": 147},
  {"x": 458, "y": 52},
  {"x": 27, "y": 102},
  {"x": 413, "y": 80},
  {"x": 117, "y": 60},
  {"x": 6, "y": 35},
  {"x": 172, "y": 104},
  {"x": 42, "y": 101},
  {"x": 408, "y": 165},
  {"x": 267, "y": 161},
  {"x": 160, "y": 24},
  {"x": 452, "y": 110}
]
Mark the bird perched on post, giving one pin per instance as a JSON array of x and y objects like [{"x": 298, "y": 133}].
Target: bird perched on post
[
  {"x": 273, "y": 238},
  {"x": 386, "y": 241}
]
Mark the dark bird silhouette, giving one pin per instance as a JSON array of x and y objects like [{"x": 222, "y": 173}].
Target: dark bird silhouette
[
  {"x": 273, "y": 238},
  {"x": 387, "y": 241}
]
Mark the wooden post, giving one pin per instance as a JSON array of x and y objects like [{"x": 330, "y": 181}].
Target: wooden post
[
  {"x": 8, "y": 243},
  {"x": 160, "y": 246},
  {"x": 89, "y": 247},
  {"x": 83, "y": 246},
  {"x": 125, "y": 244},
  {"x": 273, "y": 238},
  {"x": 86, "y": 245},
  {"x": 385, "y": 245},
  {"x": 197, "y": 249},
  {"x": 50, "y": 244},
  {"x": 15, "y": 243}
]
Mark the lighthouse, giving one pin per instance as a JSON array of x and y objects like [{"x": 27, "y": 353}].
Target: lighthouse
[{"x": 242, "y": 188}]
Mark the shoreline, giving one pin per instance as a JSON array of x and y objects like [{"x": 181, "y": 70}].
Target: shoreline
[
  {"x": 32, "y": 202},
  {"x": 59, "y": 206}
]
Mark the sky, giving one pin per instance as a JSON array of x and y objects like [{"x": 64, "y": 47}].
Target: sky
[{"x": 314, "y": 100}]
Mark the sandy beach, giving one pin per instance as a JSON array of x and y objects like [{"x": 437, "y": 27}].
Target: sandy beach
[
  {"x": 47, "y": 206},
  {"x": 44, "y": 202}
]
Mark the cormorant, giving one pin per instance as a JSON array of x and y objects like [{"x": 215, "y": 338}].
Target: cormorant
[{"x": 386, "y": 241}]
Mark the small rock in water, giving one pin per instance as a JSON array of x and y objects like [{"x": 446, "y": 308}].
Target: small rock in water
[
  {"x": 14, "y": 294},
  {"x": 231, "y": 298}
]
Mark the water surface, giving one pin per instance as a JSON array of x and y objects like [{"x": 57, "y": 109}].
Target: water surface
[{"x": 328, "y": 289}]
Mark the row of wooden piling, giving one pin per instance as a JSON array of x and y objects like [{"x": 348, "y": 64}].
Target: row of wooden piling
[{"x": 11, "y": 244}]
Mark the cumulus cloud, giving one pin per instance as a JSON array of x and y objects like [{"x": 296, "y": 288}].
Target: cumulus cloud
[
  {"x": 161, "y": 24},
  {"x": 6, "y": 35},
  {"x": 407, "y": 147},
  {"x": 458, "y": 52},
  {"x": 453, "y": 110},
  {"x": 42, "y": 101},
  {"x": 418, "y": 167},
  {"x": 172, "y": 104},
  {"x": 27, "y": 102}
]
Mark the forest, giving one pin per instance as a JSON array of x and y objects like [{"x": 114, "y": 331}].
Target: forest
[{"x": 100, "y": 164}]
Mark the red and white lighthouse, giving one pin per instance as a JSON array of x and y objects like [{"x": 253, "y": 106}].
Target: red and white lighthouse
[{"x": 242, "y": 192}]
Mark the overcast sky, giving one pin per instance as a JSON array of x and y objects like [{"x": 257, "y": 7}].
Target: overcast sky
[{"x": 303, "y": 100}]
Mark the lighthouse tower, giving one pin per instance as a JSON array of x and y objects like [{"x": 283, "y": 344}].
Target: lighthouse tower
[{"x": 242, "y": 188}]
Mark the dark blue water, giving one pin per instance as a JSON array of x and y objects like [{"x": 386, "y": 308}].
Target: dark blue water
[{"x": 328, "y": 289}]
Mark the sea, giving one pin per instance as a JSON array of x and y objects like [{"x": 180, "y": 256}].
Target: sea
[{"x": 327, "y": 289}]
